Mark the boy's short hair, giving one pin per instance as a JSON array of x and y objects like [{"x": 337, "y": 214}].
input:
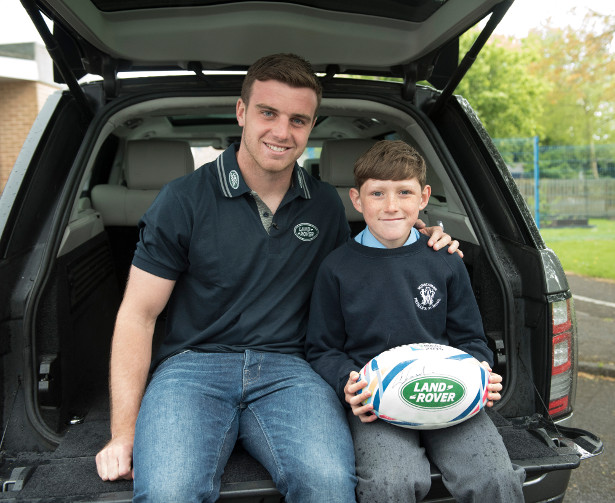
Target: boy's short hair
[
  {"x": 289, "y": 69},
  {"x": 390, "y": 160}
]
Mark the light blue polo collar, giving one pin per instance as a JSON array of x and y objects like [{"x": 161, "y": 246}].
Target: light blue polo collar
[{"x": 366, "y": 238}]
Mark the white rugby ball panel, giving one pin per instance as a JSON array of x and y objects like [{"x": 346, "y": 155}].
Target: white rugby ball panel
[{"x": 425, "y": 386}]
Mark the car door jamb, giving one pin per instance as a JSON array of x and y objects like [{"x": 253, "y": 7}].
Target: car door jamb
[{"x": 470, "y": 57}]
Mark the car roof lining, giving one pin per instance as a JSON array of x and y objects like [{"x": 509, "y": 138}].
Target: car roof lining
[{"x": 160, "y": 109}]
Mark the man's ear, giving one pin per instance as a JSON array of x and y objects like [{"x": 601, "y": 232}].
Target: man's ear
[
  {"x": 356, "y": 199},
  {"x": 240, "y": 112},
  {"x": 425, "y": 194}
]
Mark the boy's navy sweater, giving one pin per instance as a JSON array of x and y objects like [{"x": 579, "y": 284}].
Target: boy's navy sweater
[{"x": 367, "y": 300}]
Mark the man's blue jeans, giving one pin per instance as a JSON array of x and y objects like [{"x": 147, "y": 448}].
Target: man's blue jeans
[{"x": 198, "y": 404}]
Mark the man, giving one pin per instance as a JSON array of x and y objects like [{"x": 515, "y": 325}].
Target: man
[{"x": 233, "y": 248}]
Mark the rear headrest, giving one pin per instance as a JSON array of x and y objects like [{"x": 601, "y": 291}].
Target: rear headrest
[
  {"x": 337, "y": 160},
  {"x": 150, "y": 164}
]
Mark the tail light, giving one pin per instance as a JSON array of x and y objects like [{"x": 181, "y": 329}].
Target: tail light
[{"x": 563, "y": 358}]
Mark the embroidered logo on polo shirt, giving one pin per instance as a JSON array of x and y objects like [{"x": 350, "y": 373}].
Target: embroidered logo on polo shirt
[
  {"x": 233, "y": 179},
  {"x": 428, "y": 294},
  {"x": 306, "y": 232}
]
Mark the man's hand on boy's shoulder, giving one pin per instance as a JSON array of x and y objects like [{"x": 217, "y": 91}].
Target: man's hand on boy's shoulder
[
  {"x": 363, "y": 412},
  {"x": 494, "y": 386},
  {"x": 438, "y": 238}
]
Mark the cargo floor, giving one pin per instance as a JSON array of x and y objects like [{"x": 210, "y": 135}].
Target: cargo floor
[{"x": 69, "y": 472}]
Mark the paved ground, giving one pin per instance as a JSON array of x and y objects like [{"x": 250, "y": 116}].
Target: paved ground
[
  {"x": 594, "y": 301},
  {"x": 594, "y": 480}
]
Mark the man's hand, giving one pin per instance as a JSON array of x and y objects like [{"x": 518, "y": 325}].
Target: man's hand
[
  {"x": 114, "y": 461},
  {"x": 363, "y": 412},
  {"x": 438, "y": 238}
]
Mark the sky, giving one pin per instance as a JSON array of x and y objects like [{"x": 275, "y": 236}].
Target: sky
[
  {"x": 15, "y": 25},
  {"x": 524, "y": 15}
]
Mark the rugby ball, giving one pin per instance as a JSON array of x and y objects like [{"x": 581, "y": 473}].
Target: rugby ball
[{"x": 425, "y": 386}]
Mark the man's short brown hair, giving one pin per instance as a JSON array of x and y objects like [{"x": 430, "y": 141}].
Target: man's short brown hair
[
  {"x": 390, "y": 160},
  {"x": 290, "y": 69}
]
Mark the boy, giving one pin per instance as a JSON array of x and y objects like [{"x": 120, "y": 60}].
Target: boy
[{"x": 366, "y": 300}]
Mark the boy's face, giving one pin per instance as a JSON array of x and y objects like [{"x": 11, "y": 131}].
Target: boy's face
[{"x": 390, "y": 208}]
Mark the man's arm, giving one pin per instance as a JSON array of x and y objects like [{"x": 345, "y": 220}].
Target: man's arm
[{"x": 131, "y": 352}]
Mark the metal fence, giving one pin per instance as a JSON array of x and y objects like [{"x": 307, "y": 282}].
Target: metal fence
[
  {"x": 574, "y": 183},
  {"x": 570, "y": 200}
]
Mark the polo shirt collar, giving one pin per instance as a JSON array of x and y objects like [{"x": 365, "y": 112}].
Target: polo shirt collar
[{"x": 232, "y": 183}]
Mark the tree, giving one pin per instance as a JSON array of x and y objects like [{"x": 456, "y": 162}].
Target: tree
[
  {"x": 506, "y": 96},
  {"x": 580, "y": 64}
]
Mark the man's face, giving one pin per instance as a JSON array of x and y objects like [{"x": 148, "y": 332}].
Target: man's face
[
  {"x": 276, "y": 122},
  {"x": 390, "y": 208}
]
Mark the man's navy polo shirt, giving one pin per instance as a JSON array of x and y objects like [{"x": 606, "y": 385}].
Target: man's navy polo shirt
[{"x": 237, "y": 286}]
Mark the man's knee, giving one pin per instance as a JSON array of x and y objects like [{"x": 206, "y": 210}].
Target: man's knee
[
  {"x": 322, "y": 483},
  {"x": 165, "y": 491}
]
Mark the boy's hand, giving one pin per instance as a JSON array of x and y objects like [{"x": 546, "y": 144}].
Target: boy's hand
[
  {"x": 363, "y": 412},
  {"x": 438, "y": 238},
  {"x": 494, "y": 385}
]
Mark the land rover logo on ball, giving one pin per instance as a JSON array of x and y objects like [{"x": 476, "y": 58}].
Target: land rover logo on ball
[
  {"x": 433, "y": 392},
  {"x": 306, "y": 232}
]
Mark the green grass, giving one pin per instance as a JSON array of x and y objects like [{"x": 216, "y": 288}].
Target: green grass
[{"x": 585, "y": 251}]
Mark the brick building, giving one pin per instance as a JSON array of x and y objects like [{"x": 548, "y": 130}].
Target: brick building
[{"x": 26, "y": 80}]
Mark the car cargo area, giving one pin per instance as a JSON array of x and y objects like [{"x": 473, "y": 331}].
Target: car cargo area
[{"x": 129, "y": 154}]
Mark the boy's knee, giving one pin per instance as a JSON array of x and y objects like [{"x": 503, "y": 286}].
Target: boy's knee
[
  {"x": 392, "y": 490},
  {"x": 392, "y": 487},
  {"x": 505, "y": 487}
]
